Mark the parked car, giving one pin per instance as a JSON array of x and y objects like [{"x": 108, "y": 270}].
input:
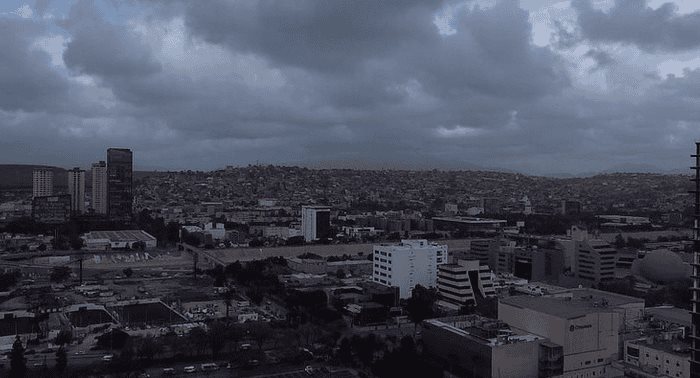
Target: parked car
[
  {"x": 168, "y": 371},
  {"x": 190, "y": 369}
]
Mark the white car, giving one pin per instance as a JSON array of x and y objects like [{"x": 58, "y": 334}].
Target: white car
[
  {"x": 108, "y": 358},
  {"x": 190, "y": 369}
]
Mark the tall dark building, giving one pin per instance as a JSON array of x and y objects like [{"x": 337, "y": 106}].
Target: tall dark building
[
  {"x": 119, "y": 184},
  {"x": 695, "y": 289}
]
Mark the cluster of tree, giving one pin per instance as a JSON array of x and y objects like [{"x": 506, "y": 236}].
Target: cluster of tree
[
  {"x": 9, "y": 279},
  {"x": 384, "y": 358},
  {"x": 421, "y": 304},
  {"x": 166, "y": 234},
  {"x": 674, "y": 293},
  {"x": 620, "y": 242},
  {"x": 60, "y": 273}
]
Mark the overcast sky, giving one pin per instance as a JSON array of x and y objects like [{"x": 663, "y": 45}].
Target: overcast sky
[{"x": 544, "y": 87}]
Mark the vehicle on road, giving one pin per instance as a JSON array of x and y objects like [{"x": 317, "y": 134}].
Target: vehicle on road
[
  {"x": 108, "y": 358},
  {"x": 245, "y": 347},
  {"x": 168, "y": 371},
  {"x": 209, "y": 367},
  {"x": 190, "y": 369},
  {"x": 309, "y": 370}
]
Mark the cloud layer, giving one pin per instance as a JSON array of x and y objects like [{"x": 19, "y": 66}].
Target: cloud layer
[{"x": 367, "y": 84}]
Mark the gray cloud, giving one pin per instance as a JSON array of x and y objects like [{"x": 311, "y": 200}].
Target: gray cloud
[
  {"x": 206, "y": 84},
  {"x": 635, "y": 22},
  {"x": 28, "y": 83}
]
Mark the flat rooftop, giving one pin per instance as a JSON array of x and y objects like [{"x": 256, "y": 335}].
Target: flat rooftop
[
  {"x": 122, "y": 235},
  {"x": 471, "y": 220},
  {"x": 507, "y": 338},
  {"x": 563, "y": 307},
  {"x": 670, "y": 314}
]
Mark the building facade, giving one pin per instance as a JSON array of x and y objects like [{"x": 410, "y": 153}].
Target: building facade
[
  {"x": 473, "y": 346},
  {"x": 76, "y": 189},
  {"x": 99, "y": 187},
  {"x": 51, "y": 209},
  {"x": 315, "y": 222},
  {"x": 463, "y": 283},
  {"x": 658, "y": 358},
  {"x": 42, "y": 182},
  {"x": 586, "y": 328},
  {"x": 119, "y": 184},
  {"x": 407, "y": 264}
]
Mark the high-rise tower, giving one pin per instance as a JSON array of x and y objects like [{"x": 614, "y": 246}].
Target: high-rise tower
[
  {"x": 695, "y": 289},
  {"x": 119, "y": 184},
  {"x": 76, "y": 189},
  {"x": 99, "y": 187},
  {"x": 42, "y": 182}
]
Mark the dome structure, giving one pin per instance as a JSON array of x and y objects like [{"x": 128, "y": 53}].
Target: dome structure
[{"x": 662, "y": 266}]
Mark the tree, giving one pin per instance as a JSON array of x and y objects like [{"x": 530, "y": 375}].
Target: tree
[
  {"x": 340, "y": 274},
  {"x": 61, "y": 360},
  {"x": 147, "y": 348},
  {"x": 260, "y": 333},
  {"x": 420, "y": 305},
  {"x": 228, "y": 299},
  {"x": 64, "y": 337},
  {"x": 60, "y": 273},
  {"x": 619, "y": 241},
  {"x": 76, "y": 243},
  {"x": 128, "y": 272},
  {"x": 218, "y": 335},
  {"x": 18, "y": 363}
]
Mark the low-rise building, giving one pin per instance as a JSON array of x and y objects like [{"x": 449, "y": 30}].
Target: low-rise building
[
  {"x": 123, "y": 239},
  {"x": 473, "y": 346},
  {"x": 586, "y": 328},
  {"x": 654, "y": 357}
]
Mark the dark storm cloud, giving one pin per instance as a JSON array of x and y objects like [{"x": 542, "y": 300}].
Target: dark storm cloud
[
  {"x": 365, "y": 84},
  {"x": 102, "y": 49},
  {"x": 28, "y": 83},
  {"x": 325, "y": 36},
  {"x": 635, "y": 22}
]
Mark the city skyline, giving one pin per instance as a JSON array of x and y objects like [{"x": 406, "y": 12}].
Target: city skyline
[{"x": 418, "y": 86}]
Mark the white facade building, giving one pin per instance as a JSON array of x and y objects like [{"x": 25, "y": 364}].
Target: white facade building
[
  {"x": 99, "y": 187},
  {"x": 407, "y": 264},
  {"x": 216, "y": 230},
  {"x": 42, "y": 182},
  {"x": 315, "y": 222},
  {"x": 76, "y": 189}
]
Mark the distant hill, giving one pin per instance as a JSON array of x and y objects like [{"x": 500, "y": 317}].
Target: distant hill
[{"x": 19, "y": 176}]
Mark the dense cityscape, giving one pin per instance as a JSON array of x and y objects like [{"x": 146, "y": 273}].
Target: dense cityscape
[
  {"x": 284, "y": 271},
  {"x": 358, "y": 189}
]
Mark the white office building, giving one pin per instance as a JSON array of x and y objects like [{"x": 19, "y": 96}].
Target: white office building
[
  {"x": 99, "y": 187},
  {"x": 463, "y": 282},
  {"x": 42, "y": 182},
  {"x": 315, "y": 222},
  {"x": 76, "y": 189},
  {"x": 407, "y": 264}
]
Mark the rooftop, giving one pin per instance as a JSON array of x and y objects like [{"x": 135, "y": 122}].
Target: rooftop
[
  {"x": 580, "y": 303},
  {"x": 670, "y": 314},
  {"x": 123, "y": 235},
  {"x": 476, "y": 327}
]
